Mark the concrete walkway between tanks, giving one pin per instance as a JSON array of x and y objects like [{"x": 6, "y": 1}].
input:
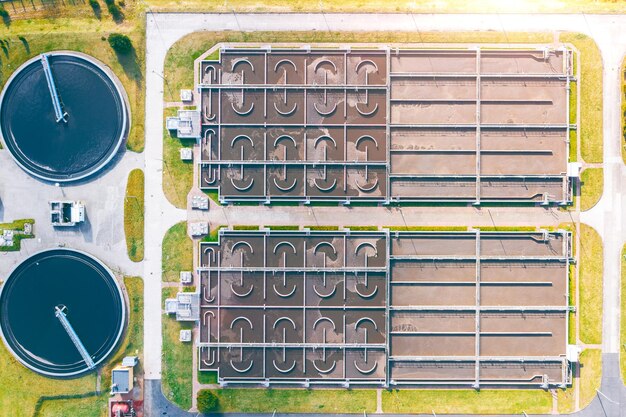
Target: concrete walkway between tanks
[{"x": 162, "y": 30}]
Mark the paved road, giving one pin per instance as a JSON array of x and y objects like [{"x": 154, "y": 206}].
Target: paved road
[{"x": 607, "y": 30}]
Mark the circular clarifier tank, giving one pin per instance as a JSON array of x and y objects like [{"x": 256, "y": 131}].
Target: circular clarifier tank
[
  {"x": 63, "y": 116},
  {"x": 61, "y": 282}
]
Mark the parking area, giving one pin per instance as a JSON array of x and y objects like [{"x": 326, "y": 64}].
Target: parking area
[
  {"x": 385, "y": 308},
  {"x": 386, "y": 125}
]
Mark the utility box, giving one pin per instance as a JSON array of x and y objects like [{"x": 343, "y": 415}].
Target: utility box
[
  {"x": 186, "y": 277},
  {"x": 185, "y": 336},
  {"x": 186, "y": 96},
  {"x": 186, "y": 154},
  {"x": 67, "y": 213}
]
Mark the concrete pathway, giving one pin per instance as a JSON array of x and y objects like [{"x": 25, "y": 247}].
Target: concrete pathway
[
  {"x": 162, "y": 30},
  {"x": 160, "y": 215},
  {"x": 102, "y": 234}
]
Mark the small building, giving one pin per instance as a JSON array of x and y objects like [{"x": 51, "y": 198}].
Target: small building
[
  {"x": 199, "y": 229},
  {"x": 200, "y": 202},
  {"x": 67, "y": 213},
  {"x": 122, "y": 380},
  {"x": 6, "y": 238},
  {"x": 186, "y": 96},
  {"x": 186, "y": 306},
  {"x": 130, "y": 361},
  {"x": 186, "y": 277},
  {"x": 185, "y": 335},
  {"x": 187, "y": 124},
  {"x": 186, "y": 154}
]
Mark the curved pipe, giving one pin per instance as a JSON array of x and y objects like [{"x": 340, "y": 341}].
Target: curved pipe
[
  {"x": 325, "y": 244},
  {"x": 285, "y": 61},
  {"x": 241, "y": 61},
  {"x": 365, "y": 371},
  {"x": 241, "y": 242},
  {"x": 242, "y": 371},
  {"x": 247, "y": 320},
  {"x": 236, "y": 138},
  {"x": 325, "y": 61},
  {"x": 330, "y": 294},
  {"x": 288, "y": 112},
  {"x": 286, "y": 319},
  {"x": 365, "y": 113},
  {"x": 242, "y": 187},
  {"x": 284, "y": 371},
  {"x": 366, "y": 62},
  {"x": 325, "y": 371},
  {"x": 365, "y": 138},
  {"x": 367, "y": 319},
  {"x": 285, "y": 188},
  {"x": 204, "y": 361},
  {"x": 330, "y": 187},
  {"x": 366, "y": 189},
  {"x": 284, "y": 242},
  {"x": 365, "y": 244},
  {"x": 289, "y": 294},
  {"x": 324, "y": 137},
  {"x": 242, "y": 295},
  {"x": 244, "y": 112},
  {"x": 286, "y": 137},
  {"x": 324, "y": 319},
  {"x": 322, "y": 112},
  {"x": 356, "y": 288}
]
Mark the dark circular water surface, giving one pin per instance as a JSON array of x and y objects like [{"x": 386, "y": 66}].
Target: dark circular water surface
[
  {"x": 95, "y": 309},
  {"x": 96, "y": 123}
]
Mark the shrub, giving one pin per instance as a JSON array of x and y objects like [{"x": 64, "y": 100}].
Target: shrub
[
  {"x": 120, "y": 43},
  {"x": 207, "y": 401},
  {"x": 3, "y": 13},
  {"x": 115, "y": 12}
]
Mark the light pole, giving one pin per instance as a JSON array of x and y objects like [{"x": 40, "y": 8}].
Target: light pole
[{"x": 167, "y": 84}]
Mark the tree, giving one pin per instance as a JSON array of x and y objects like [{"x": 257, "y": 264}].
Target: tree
[
  {"x": 120, "y": 43},
  {"x": 207, "y": 401}
]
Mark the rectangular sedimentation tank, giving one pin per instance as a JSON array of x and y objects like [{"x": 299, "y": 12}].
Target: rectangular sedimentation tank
[
  {"x": 385, "y": 308},
  {"x": 386, "y": 124}
]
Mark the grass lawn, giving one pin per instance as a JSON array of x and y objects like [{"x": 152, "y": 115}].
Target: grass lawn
[
  {"x": 180, "y": 57},
  {"x": 177, "y": 360},
  {"x": 590, "y": 282},
  {"x": 467, "y": 401},
  {"x": 177, "y": 174},
  {"x": 251, "y": 400},
  {"x": 133, "y": 215},
  {"x": 83, "y": 407},
  {"x": 177, "y": 252},
  {"x": 29, "y": 37},
  {"x": 207, "y": 377},
  {"x": 590, "y": 375},
  {"x": 622, "y": 355},
  {"x": 21, "y": 389},
  {"x": 592, "y": 183},
  {"x": 419, "y": 6},
  {"x": 17, "y": 225},
  {"x": 590, "y": 95}
]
